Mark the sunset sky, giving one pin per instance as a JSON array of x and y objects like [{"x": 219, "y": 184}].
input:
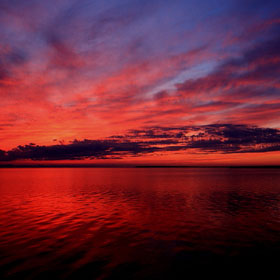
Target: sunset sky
[{"x": 192, "y": 82}]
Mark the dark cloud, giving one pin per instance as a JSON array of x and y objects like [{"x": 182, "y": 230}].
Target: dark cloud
[
  {"x": 216, "y": 138},
  {"x": 76, "y": 150},
  {"x": 2, "y": 154}
]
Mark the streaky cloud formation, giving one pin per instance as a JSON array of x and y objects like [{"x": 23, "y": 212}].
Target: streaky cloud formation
[
  {"x": 86, "y": 69},
  {"x": 222, "y": 138}
]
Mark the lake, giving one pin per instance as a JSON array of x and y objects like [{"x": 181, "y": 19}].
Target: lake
[{"x": 138, "y": 223}]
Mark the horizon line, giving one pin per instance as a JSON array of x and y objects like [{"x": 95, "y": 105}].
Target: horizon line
[{"x": 131, "y": 166}]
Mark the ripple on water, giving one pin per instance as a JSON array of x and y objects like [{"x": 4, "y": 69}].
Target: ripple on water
[{"x": 137, "y": 223}]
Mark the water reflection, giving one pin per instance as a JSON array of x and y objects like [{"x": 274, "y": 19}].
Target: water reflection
[{"x": 102, "y": 223}]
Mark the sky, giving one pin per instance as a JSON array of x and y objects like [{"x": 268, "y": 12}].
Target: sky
[{"x": 140, "y": 81}]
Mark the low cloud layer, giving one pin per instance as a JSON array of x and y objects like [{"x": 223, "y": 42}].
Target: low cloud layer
[{"x": 216, "y": 138}]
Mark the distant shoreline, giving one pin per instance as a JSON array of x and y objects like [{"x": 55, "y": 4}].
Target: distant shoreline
[{"x": 137, "y": 166}]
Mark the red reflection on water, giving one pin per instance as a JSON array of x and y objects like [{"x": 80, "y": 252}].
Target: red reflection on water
[{"x": 66, "y": 218}]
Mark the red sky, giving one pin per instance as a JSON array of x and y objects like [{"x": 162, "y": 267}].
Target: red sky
[{"x": 150, "y": 82}]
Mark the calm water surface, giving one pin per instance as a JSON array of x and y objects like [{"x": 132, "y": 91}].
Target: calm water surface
[{"x": 146, "y": 223}]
